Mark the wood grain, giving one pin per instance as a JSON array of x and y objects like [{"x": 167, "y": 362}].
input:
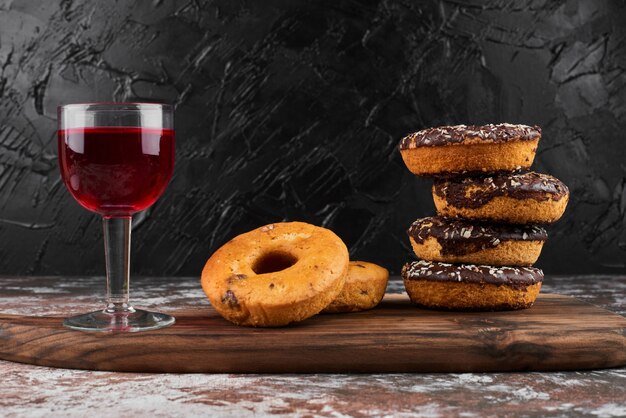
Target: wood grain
[{"x": 558, "y": 333}]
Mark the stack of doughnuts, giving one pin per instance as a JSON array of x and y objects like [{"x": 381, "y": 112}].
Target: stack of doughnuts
[{"x": 478, "y": 252}]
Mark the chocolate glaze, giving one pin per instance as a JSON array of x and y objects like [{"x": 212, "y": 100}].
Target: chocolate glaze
[
  {"x": 459, "y": 237},
  {"x": 531, "y": 185},
  {"x": 474, "y": 173},
  {"x": 516, "y": 277},
  {"x": 446, "y": 135}
]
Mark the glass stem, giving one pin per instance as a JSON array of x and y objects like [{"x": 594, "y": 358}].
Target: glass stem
[{"x": 117, "y": 254}]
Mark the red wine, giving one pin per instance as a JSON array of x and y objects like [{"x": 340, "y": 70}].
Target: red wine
[{"x": 116, "y": 171}]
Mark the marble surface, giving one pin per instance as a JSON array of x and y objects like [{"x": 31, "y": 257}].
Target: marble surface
[{"x": 43, "y": 392}]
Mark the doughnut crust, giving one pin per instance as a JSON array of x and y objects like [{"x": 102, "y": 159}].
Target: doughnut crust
[
  {"x": 524, "y": 198},
  {"x": 467, "y": 287},
  {"x": 463, "y": 149},
  {"x": 364, "y": 288},
  {"x": 459, "y": 241},
  {"x": 276, "y": 274}
]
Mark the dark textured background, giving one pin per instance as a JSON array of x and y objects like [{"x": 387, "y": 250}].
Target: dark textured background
[{"x": 291, "y": 110}]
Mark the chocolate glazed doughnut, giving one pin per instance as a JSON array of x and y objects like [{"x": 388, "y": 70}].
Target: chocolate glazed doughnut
[
  {"x": 459, "y": 241},
  {"x": 514, "y": 198},
  {"x": 467, "y": 287},
  {"x": 467, "y": 149}
]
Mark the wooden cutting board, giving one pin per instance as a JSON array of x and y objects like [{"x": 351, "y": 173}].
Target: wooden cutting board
[{"x": 558, "y": 333}]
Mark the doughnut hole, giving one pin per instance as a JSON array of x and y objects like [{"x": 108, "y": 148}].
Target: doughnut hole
[{"x": 273, "y": 261}]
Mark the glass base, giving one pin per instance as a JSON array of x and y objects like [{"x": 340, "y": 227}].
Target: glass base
[{"x": 132, "y": 320}]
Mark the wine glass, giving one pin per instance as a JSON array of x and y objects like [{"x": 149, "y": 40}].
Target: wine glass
[{"x": 116, "y": 159}]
